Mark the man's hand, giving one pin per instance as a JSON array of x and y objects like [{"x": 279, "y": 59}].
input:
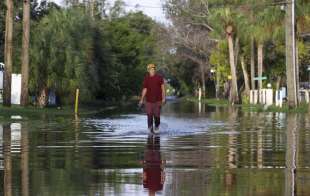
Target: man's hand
[
  {"x": 142, "y": 97},
  {"x": 163, "y": 101}
]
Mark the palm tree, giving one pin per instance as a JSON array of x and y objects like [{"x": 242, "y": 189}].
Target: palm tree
[
  {"x": 247, "y": 35},
  {"x": 267, "y": 25},
  {"x": 234, "y": 97},
  {"x": 227, "y": 20},
  {"x": 245, "y": 76},
  {"x": 8, "y": 52},
  {"x": 25, "y": 52},
  {"x": 252, "y": 63},
  {"x": 7, "y": 160}
]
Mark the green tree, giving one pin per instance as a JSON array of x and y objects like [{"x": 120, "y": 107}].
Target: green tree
[
  {"x": 268, "y": 25},
  {"x": 62, "y": 56},
  {"x": 132, "y": 42},
  {"x": 226, "y": 21}
]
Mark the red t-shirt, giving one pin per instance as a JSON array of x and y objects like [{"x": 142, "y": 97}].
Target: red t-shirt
[{"x": 153, "y": 86}]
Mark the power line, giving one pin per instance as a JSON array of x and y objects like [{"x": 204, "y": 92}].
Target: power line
[
  {"x": 215, "y": 5},
  {"x": 143, "y": 6},
  {"x": 240, "y": 5},
  {"x": 138, "y": 5},
  {"x": 255, "y": 5}
]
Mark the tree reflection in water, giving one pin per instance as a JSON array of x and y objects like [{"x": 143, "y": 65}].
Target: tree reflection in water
[
  {"x": 7, "y": 160},
  {"x": 14, "y": 135}
]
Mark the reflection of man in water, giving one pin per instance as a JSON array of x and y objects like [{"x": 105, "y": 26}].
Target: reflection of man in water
[{"x": 153, "y": 166}]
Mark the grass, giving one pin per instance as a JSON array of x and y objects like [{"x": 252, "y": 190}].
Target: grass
[
  {"x": 303, "y": 108},
  {"x": 95, "y": 107},
  {"x": 211, "y": 102},
  {"x": 31, "y": 111},
  {"x": 34, "y": 112}
]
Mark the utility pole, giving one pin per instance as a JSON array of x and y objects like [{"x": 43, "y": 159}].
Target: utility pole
[{"x": 291, "y": 67}]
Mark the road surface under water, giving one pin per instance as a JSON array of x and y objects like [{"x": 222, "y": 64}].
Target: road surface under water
[{"x": 201, "y": 150}]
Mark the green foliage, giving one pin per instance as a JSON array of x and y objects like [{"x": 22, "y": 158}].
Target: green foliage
[
  {"x": 245, "y": 99},
  {"x": 184, "y": 72},
  {"x": 219, "y": 59},
  {"x": 132, "y": 41},
  {"x": 104, "y": 58},
  {"x": 62, "y": 54},
  {"x": 211, "y": 102}
]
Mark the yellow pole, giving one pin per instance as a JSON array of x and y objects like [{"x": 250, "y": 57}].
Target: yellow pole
[{"x": 76, "y": 101}]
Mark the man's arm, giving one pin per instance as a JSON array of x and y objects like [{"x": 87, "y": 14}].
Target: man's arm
[
  {"x": 163, "y": 91},
  {"x": 143, "y": 95}
]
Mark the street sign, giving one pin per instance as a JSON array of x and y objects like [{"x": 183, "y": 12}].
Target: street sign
[{"x": 260, "y": 78}]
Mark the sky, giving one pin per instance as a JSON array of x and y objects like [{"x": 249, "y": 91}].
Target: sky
[{"x": 152, "y": 8}]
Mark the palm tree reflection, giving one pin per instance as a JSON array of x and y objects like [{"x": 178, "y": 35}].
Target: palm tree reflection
[
  {"x": 7, "y": 160},
  {"x": 25, "y": 160}
]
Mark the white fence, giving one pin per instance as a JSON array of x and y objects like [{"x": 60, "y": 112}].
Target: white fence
[
  {"x": 16, "y": 83},
  {"x": 269, "y": 96},
  {"x": 16, "y": 88},
  {"x": 304, "y": 96}
]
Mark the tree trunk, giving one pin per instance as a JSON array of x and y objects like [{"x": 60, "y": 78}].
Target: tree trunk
[
  {"x": 233, "y": 98},
  {"x": 25, "y": 53},
  {"x": 291, "y": 56},
  {"x": 217, "y": 87},
  {"x": 246, "y": 77},
  {"x": 252, "y": 64},
  {"x": 279, "y": 79},
  {"x": 203, "y": 80},
  {"x": 42, "y": 99},
  {"x": 92, "y": 8},
  {"x": 236, "y": 51},
  {"x": 260, "y": 54},
  {"x": 8, "y": 52}
]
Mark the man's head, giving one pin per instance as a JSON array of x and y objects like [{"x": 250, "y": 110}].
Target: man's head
[{"x": 151, "y": 68}]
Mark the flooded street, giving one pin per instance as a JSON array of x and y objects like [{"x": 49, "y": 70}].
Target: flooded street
[{"x": 201, "y": 150}]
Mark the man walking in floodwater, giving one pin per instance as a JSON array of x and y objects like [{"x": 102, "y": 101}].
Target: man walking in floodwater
[{"x": 154, "y": 92}]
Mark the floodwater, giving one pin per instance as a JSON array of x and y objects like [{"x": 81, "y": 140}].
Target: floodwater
[{"x": 201, "y": 150}]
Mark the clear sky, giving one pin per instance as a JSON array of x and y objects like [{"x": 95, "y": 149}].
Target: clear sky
[{"x": 152, "y": 8}]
